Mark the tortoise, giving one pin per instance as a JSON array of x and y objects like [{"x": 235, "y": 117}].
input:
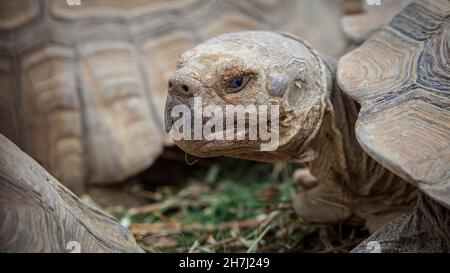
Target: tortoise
[
  {"x": 83, "y": 87},
  {"x": 373, "y": 128},
  {"x": 38, "y": 214}
]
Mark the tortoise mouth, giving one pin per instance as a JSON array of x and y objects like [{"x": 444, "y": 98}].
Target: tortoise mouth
[{"x": 215, "y": 148}]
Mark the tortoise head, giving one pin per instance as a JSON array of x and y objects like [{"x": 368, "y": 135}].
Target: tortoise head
[{"x": 246, "y": 94}]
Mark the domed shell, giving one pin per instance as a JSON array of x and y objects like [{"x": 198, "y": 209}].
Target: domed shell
[{"x": 83, "y": 87}]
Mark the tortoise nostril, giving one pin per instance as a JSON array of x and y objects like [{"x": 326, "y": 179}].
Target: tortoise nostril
[{"x": 179, "y": 86}]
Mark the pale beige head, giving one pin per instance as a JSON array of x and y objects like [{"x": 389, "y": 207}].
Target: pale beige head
[{"x": 253, "y": 67}]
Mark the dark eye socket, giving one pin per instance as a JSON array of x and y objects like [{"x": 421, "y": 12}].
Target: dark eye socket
[{"x": 237, "y": 84}]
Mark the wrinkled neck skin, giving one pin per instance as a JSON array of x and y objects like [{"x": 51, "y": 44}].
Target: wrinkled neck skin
[
  {"x": 340, "y": 160},
  {"x": 335, "y": 158}
]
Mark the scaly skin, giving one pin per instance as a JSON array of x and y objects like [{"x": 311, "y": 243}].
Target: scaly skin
[{"x": 316, "y": 119}]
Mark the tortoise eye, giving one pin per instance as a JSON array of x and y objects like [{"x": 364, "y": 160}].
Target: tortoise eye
[{"x": 237, "y": 84}]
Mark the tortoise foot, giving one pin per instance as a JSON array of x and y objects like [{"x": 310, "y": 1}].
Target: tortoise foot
[{"x": 321, "y": 204}]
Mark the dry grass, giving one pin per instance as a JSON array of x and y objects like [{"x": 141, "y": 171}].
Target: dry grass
[{"x": 229, "y": 206}]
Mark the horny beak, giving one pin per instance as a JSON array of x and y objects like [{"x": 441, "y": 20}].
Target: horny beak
[{"x": 168, "y": 109}]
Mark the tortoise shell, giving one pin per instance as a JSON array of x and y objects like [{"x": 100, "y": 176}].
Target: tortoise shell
[
  {"x": 401, "y": 78},
  {"x": 38, "y": 214},
  {"x": 82, "y": 88}
]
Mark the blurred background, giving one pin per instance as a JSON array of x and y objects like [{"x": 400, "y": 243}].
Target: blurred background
[{"x": 82, "y": 90}]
